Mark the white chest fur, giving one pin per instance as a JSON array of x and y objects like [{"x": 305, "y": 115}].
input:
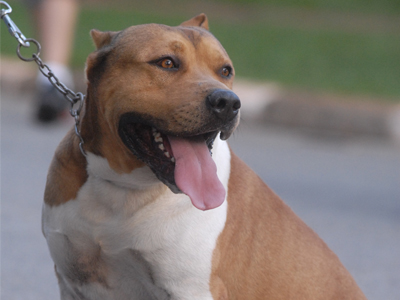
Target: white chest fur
[{"x": 134, "y": 219}]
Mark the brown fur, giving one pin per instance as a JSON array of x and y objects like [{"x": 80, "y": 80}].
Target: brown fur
[
  {"x": 198, "y": 21},
  {"x": 267, "y": 252},
  {"x": 67, "y": 172}
]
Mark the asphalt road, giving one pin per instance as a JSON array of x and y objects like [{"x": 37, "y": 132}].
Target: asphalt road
[{"x": 348, "y": 191}]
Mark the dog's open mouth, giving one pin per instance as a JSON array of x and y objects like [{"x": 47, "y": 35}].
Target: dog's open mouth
[{"x": 184, "y": 164}]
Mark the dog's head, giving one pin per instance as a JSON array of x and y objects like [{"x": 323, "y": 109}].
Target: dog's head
[{"x": 159, "y": 96}]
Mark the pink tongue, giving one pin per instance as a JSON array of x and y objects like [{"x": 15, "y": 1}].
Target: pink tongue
[{"x": 196, "y": 173}]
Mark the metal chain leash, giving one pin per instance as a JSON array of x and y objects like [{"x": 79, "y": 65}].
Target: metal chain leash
[{"x": 75, "y": 99}]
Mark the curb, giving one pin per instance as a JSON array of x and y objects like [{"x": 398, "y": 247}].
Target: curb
[
  {"x": 320, "y": 113},
  {"x": 267, "y": 103}
]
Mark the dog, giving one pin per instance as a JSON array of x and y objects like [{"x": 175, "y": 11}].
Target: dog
[{"x": 160, "y": 207}]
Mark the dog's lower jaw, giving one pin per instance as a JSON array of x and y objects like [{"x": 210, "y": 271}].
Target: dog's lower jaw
[
  {"x": 228, "y": 130},
  {"x": 172, "y": 186}
]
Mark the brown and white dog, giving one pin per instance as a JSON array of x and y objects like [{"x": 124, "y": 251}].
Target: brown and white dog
[{"x": 150, "y": 213}]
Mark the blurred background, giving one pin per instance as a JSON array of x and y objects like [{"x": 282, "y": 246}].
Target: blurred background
[{"x": 320, "y": 86}]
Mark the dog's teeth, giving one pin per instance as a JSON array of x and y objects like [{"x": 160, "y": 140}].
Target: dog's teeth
[
  {"x": 161, "y": 146},
  {"x": 158, "y": 139},
  {"x": 167, "y": 154},
  {"x": 173, "y": 159}
]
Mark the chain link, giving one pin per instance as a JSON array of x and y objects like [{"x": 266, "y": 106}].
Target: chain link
[{"x": 75, "y": 99}]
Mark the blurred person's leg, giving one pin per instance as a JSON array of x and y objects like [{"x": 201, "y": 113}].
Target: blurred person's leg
[{"x": 56, "y": 21}]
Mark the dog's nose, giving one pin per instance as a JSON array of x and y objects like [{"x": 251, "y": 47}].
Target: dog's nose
[{"x": 224, "y": 104}]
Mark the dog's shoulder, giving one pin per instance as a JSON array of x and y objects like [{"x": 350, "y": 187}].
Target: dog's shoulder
[{"x": 279, "y": 241}]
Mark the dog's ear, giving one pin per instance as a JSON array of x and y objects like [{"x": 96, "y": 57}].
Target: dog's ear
[
  {"x": 101, "y": 38},
  {"x": 103, "y": 41},
  {"x": 200, "y": 20}
]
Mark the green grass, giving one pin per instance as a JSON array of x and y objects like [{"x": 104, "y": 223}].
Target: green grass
[
  {"x": 21, "y": 17},
  {"x": 343, "y": 62},
  {"x": 339, "y": 62},
  {"x": 365, "y": 6}
]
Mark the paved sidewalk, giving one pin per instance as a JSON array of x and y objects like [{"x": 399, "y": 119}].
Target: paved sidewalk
[{"x": 347, "y": 190}]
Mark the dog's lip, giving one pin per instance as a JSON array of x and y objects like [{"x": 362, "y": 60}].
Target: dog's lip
[
  {"x": 161, "y": 136},
  {"x": 208, "y": 136},
  {"x": 152, "y": 146}
]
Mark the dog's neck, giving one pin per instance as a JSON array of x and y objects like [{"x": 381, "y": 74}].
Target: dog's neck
[{"x": 139, "y": 179}]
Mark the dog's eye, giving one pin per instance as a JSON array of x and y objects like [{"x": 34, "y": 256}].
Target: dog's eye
[
  {"x": 226, "y": 71},
  {"x": 167, "y": 63}
]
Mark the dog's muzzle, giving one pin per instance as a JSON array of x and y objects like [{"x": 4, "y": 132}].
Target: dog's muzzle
[{"x": 182, "y": 160}]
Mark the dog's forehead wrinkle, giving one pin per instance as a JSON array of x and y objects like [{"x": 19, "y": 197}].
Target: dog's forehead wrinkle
[
  {"x": 149, "y": 33},
  {"x": 192, "y": 35},
  {"x": 197, "y": 35}
]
